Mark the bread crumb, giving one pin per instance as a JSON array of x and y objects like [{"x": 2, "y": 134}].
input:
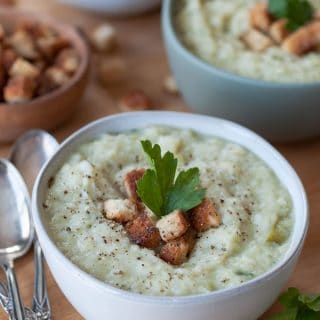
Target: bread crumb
[
  {"x": 103, "y": 37},
  {"x": 135, "y": 100},
  {"x": 170, "y": 85}
]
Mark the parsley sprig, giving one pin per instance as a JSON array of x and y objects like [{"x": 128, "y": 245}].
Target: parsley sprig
[
  {"x": 297, "y": 12},
  {"x": 299, "y": 306},
  {"x": 158, "y": 188}
]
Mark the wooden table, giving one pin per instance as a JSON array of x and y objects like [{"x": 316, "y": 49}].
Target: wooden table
[{"x": 142, "y": 48}]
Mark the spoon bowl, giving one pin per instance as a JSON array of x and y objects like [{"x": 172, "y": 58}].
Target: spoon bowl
[
  {"x": 16, "y": 229},
  {"x": 30, "y": 152}
]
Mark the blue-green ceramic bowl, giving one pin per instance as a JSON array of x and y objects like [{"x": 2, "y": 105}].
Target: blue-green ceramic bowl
[{"x": 278, "y": 111}]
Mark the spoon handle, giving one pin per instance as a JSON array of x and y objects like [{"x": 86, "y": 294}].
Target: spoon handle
[
  {"x": 7, "y": 305},
  {"x": 40, "y": 302},
  {"x": 17, "y": 308}
]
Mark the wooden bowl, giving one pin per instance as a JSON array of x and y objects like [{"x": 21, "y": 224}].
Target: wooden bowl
[{"x": 50, "y": 110}]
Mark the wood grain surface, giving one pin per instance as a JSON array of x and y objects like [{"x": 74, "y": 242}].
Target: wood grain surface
[{"x": 140, "y": 44}]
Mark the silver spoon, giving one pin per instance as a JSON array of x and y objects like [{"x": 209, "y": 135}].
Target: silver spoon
[
  {"x": 16, "y": 231},
  {"x": 30, "y": 152}
]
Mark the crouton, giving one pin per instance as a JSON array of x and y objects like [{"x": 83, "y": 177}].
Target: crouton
[
  {"x": 260, "y": 18},
  {"x": 36, "y": 30},
  {"x": 26, "y": 26},
  {"x": 23, "y": 45},
  {"x": 8, "y": 58},
  {"x": 130, "y": 180},
  {"x": 256, "y": 40},
  {"x": 170, "y": 85},
  {"x": 22, "y": 67},
  {"x": 53, "y": 78},
  {"x": 120, "y": 210},
  {"x": 176, "y": 251},
  {"x": 50, "y": 46},
  {"x": 57, "y": 76},
  {"x": 41, "y": 65},
  {"x": 111, "y": 71},
  {"x": 278, "y": 31},
  {"x": 19, "y": 89},
  {"x": 135, "y": 100},
  {"x": 103, "y": 37},
  {"x": 303, "y": 40},
  {"x": 68, "y": 61},
  {"x": 204, "y": 216},
  {"x": 173, "y": 225},
  {"x": 143, "y": 232}
]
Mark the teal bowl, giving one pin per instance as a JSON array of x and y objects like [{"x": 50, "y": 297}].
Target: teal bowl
[{"x": 280, "y": 112}]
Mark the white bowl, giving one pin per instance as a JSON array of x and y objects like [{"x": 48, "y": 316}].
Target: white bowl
[
  {"x": 96, "y": 300},
  {"x": 116, "y": 7}
]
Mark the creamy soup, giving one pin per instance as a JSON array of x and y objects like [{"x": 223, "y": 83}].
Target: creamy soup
[
  {"x": 254, "y": 207},
  {"x": 212, "y": 30}
]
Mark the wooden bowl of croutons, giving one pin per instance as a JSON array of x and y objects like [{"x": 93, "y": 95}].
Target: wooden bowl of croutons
[{"x": 44, "y": 66}]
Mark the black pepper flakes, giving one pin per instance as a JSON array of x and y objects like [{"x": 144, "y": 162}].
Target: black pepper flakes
[{"x": 50, "y": 182}]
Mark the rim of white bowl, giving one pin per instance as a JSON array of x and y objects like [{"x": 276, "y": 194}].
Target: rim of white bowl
[
  {"x": 169, "y": 30},
  {"x": 172, "y": 119}
]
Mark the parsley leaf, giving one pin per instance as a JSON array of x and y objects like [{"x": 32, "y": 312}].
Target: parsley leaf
[
  {"x": 290, "y": 298},
  {"x": 297, "y": 12},
  {"x": 148, "y": 189},
  {"x": 185, "y": 193},
  {"x": 278, "y": 8},
  {"x": 164, "y": 168},
  {"x": 299, "y": 306},
  {"x": 159, "y": 190},
  {"x": 312, "y": 301},
  {"x": 290, "y": 314}
]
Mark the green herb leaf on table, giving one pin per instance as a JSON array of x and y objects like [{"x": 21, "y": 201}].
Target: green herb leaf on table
[
  {"x": 298, "y": 306},
  {"x": 297, "y": 12},
  {"x": 312, "y": 301},
  {"x": 158, "y": 188}
]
